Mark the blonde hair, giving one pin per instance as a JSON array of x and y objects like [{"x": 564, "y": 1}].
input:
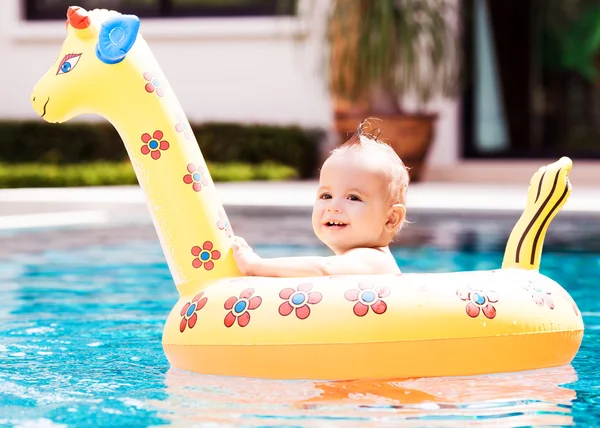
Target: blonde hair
[{"x": 367, "y": 137}]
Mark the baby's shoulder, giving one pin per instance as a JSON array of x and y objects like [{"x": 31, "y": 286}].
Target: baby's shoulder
[{"x": 376, "y": 252}]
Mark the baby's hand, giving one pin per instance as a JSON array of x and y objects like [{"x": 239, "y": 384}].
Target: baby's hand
[{"x": 244, "y": 255}]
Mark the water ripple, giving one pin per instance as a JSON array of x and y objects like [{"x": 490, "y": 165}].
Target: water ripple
[{"x": 81, "y": 346}]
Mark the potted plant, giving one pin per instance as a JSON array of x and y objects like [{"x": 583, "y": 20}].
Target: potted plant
[{"x": 386, "y": 54}]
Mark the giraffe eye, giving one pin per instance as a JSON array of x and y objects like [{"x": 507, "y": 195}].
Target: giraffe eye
[{"x": 68, "y": 63}]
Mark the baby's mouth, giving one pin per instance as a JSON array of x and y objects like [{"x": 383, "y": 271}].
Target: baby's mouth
[{"x": 335, "y": 225}]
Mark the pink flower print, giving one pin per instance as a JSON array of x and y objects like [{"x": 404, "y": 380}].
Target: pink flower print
[
  {"x": 197, "y": 177},
  {"x": 479, "y": 301},
  {"x": 573, "y": 304},
  {"x": 183, "y": 126},
  {"x": 154, "y": 84},
  {"x": 188, "y": 312},
  {"x": 223, "y": 224},
  {"x": 238, "y": 308},
  {"x": 540, "y": 297},
  {"x": 205, "y": 256},
  {"x": 367, "y": 296},
  {"x": 154, "y": 144},
  {"x": 299, "y": 300}
]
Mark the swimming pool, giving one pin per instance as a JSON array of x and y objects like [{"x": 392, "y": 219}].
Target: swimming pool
[{"x": 80, "y": 345}]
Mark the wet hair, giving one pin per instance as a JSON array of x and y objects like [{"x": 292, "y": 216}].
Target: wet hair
[{"x": 367, "y": 137}]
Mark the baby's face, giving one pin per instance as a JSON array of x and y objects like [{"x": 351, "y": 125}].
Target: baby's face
[{"x": 352, "y": 204}]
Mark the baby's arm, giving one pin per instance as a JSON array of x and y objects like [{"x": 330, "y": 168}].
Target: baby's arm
[{"x": 358, "y": 261}]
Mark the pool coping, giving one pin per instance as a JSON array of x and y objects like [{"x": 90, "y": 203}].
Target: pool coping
[
  {"x": 31, "y": 208},
  {"x": 48, "y": 219},
  {"x": 51, "y": 207}
]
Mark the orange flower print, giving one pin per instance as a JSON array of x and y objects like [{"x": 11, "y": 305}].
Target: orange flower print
[
  {"x": 197, "y": 177},
  {"x": 299, "y": 300},
  {"x": 238, "y": 308},
  {"x": 367, "y": 296},
  {"x": 479, "y": 301},
  {"x": 205, "y": 256},
  {"x": 188, "y": 312},
  {"x": 154, "y": 144}
]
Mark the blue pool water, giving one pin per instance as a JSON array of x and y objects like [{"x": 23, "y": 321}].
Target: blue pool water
[{"x": 80, "y": 345}]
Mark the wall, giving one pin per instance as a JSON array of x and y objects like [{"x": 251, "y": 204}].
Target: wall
[{"x": 238, "y": 70}]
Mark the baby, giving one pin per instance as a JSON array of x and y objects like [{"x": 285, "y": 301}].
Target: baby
[{"x": 358, "y": 211}]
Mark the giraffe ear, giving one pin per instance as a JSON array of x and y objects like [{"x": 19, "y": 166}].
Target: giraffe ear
[{"x": 117, "y": 36}]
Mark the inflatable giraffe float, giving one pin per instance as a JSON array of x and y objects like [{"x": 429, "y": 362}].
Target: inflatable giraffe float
[
  {"x": 105, "y": 67},
  {"x": 336, "y": 328}
]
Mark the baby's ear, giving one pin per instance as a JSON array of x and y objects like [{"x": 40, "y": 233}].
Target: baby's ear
[{"x": 395, "y": 218}]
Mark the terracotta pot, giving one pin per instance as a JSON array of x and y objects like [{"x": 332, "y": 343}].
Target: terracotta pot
[{"x": 409, "y": 135}]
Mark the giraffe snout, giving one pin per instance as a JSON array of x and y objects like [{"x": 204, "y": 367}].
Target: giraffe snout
[{"x": 40, "y": 104}]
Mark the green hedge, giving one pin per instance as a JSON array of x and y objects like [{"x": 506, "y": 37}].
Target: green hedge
[
  {"x": 77, "y": 142},
  {"x": 107, "y": 173}
]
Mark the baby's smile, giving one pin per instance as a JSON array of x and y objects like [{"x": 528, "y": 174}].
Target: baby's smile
[{"x": 335, "y": 224}]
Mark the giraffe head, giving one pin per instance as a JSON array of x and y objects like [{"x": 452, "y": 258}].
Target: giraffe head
[{"x": 91, "y": 70}]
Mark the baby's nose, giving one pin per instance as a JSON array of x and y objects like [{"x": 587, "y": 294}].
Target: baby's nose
[{"x": 333, "y": 208}]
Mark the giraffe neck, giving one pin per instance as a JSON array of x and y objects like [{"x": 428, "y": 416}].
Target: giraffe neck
[{"x": 189, "y": 219}]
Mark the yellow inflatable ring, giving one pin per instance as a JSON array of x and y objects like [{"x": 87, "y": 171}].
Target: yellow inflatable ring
[{"x": 345, "y": 327}]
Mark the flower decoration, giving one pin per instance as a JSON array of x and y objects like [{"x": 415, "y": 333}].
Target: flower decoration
[
  {"x": 238, "y": 308},
  {"x": 154, "y": 84},
  {"x": 223, "y": 224},
  {"x": 205, "y": 256},
  {"x": 188, "y": 312},
  {"x": 154, "y": 144},
  {"x": 367, "y": 296},
  {"x": 299, "y": 299},
  {"x": 479, "y": 301},
  {"x": 197, "y": 177},
  {"x": 183, "y": 127},
  {"x": 540, "y": 297},
  {"x": 573, "y": 304}
]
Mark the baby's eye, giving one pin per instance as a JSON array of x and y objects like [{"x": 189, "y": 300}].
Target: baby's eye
[
  {"x": 354, "y": 198},
  {"x": 324, "y": 196}
]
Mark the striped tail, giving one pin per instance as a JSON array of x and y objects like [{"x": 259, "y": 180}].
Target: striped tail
[{"x": 548, "y": 191}]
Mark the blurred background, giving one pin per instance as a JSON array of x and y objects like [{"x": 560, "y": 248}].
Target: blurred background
[
  {"x": 468, "y": 90},
  {"x": 474, "y": 95}
]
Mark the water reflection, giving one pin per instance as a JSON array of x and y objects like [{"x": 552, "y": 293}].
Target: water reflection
[
  {"x": 528, "y": 398},
  {"x": 80, "y": 346}
]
